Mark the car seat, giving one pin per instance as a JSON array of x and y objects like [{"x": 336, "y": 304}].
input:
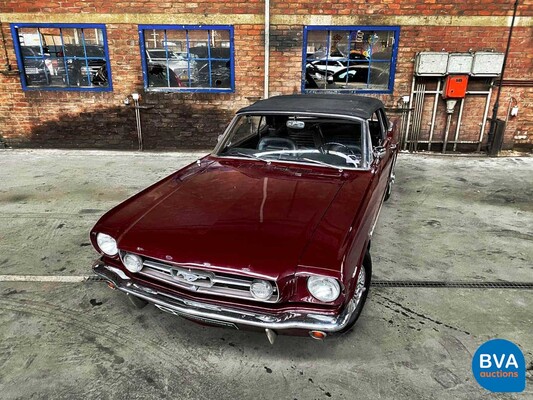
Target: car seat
[{"x": 276, "y": 143}]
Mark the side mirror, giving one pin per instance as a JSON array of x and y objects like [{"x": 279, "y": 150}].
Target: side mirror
[
  {"x": 379, "y": 152},
  {"x": 329, "y": 79}
]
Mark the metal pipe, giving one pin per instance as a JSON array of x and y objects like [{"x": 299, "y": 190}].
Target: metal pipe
[
  {"x": 4, "y": 45},
  {"x": 451, "y": 141},
  {"x": 409, "y": 114},
  {"x": 405, "y": 112},
  {"x": 467, "y": 92},
  {"x": 434, "y": 115},
  {"x": 458, "y": 124},
  {"x": 485, "y": 116},
  {"x": 448, "y": 123},
  {"x": 267, "y": 49},
  {"x": 497, "y": 102},
  {"x": 419, "y": 114},
  {"x": 138, "y": 120},
  {"x": 416, "y": 118}
]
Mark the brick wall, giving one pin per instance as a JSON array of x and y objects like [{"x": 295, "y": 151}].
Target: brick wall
[
  {"x": 185, "y": 120},
  {"x": 133, "y": 6},
  {"x": 463, "y": 39},
  {"x": 400, "y": 7},
  {"x": 56, "y": 119}
]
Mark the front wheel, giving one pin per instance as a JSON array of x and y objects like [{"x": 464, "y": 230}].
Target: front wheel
[
  {"x": 392, "y": 177},
  {"x": 360, "y": 294}
]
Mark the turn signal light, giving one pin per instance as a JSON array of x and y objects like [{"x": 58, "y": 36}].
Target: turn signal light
[{"x": 318, "y": 335}]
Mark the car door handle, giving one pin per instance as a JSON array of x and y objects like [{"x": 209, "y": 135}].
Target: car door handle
[{"x": 393, "y": 146}]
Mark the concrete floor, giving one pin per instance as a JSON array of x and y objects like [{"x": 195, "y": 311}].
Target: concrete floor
[{"x": 449, "y": 218}]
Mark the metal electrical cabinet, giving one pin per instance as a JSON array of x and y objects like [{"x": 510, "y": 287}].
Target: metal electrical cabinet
[
  {"x": 455, "y": 87},
  {"x": 457, "y": 78}
]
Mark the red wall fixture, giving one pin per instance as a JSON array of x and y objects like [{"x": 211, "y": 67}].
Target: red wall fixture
[{"x": 455, "y": 87}]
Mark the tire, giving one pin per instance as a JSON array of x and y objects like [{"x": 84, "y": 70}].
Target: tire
[
  {"x": 137, "y": 301},
  {"x": 388, "y": 191},
  {"x": 366, "y": 269},
  {"x": 392, "y": 177}
]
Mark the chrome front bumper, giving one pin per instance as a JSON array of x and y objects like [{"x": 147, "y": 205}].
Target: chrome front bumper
[{"x": 224, "y": 315}]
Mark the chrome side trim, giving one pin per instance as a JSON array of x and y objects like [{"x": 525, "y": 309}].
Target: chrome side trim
[{"x": 174, "y": 304}]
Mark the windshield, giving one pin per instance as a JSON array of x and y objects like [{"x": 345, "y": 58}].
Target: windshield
[{"x": 325, "y": 141}]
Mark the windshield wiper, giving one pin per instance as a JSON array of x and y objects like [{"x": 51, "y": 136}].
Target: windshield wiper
[
  {"x": 321, "y": 163},
  {"x": 246, "y": 155}
]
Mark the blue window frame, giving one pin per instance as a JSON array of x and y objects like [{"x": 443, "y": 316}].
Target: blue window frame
[
  {"x": 349, "y": 59},
  {"x": 187, "y": 58},
  {"x": 71, "y": 57}
]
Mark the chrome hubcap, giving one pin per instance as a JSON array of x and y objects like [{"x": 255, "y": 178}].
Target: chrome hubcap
[{"x": 360, "y": 287}]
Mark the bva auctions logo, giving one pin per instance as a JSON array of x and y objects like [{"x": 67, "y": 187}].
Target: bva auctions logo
[{"x": 499, "y": 366}]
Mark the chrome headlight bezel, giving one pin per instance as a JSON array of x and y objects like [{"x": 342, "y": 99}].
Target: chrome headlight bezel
[
  {"x": 107, "y": 244},
  {"x": 324, "y": 288}
]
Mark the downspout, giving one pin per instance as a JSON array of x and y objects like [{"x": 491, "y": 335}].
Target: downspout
[
  {"x": 267, "y": 48},
  {"x": 497, "y": 102}
]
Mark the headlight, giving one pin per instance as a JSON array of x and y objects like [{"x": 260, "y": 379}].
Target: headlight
[
  {"x": 261, "y": 290},
  {"x": 132, "y": 262},
  {"x": 107, "y": 244},
  {"x": 324, "y": 288}
]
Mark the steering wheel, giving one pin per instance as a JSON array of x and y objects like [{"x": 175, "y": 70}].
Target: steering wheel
[{"x": 327, "y": 147}]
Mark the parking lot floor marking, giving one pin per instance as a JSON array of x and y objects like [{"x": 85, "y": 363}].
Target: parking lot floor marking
[{"x": 46, "y": 278}]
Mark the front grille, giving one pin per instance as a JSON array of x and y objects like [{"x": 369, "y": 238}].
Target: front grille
[{"x": 202, "y": 281}]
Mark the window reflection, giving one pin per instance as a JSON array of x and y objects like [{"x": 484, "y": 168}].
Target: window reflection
[
  {"x": 349, "y": 60},
  {"x": 63, "y": 57}
]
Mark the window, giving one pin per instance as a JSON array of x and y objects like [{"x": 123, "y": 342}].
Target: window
[
  {"x": 349, "y": 59},
  {"x": 377, "y": 128},
  {"x": 187, "y": 58},
  {"x": 62, "y": 56}
]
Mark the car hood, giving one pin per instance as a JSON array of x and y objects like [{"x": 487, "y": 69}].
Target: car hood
[{"x": 228, "y": 215}]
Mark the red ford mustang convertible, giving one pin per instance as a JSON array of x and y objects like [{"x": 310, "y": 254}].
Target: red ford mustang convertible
[{"x": 271, "y": 231}]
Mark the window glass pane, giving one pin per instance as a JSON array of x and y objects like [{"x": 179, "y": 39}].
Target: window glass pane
[
  {"x": 379, "y": 75},
  {"x": 349, "y": 59},
  {"x": 33, "y": 59},
  {"x": 192, "y": 58},
  {"x": 220, "y": 53},
  {"x": 200, "y": 49},
  {"x": 161, "y": 76},
  {"x": 63, "y": 57}
]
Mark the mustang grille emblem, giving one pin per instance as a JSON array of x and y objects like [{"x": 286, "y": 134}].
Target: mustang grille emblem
[
  {"x": 188, "y": 277},
  {"x": 197, "y": 278}
]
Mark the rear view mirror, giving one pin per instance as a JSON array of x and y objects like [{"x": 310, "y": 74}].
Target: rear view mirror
[{"x": 295, "y": 124}]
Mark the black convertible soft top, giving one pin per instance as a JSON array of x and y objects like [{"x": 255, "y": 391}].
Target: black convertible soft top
[{"x": 338, "y": 104}]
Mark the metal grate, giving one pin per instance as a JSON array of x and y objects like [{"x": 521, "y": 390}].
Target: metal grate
[
  {"x": 461, "y": 285},
  {"x": 429, "y": 284}
]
